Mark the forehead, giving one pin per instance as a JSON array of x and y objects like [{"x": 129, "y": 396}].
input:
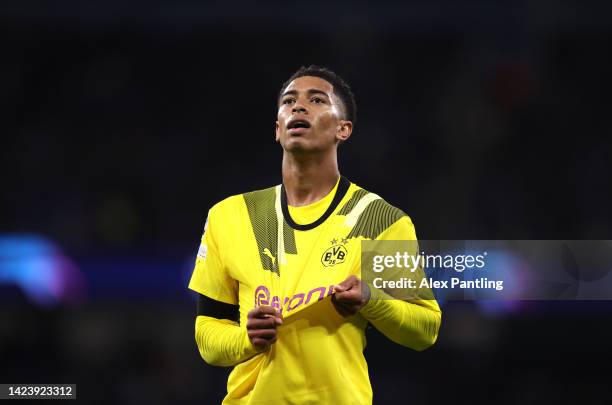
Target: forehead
[{"x": 305, "y": 83}]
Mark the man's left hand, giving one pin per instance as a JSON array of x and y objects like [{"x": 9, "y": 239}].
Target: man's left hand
[{"x": 350, "y": 296}]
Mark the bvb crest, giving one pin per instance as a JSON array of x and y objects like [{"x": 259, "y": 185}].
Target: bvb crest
[{"x": 336, "y": 254}]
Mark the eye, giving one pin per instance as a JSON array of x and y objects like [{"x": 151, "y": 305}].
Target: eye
[
  {"x": 288, "y": 100},
  {"x": 317, "y": 100}
]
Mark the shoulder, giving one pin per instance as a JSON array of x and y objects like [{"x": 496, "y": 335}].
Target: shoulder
[
  {"x": 235, "y": 204},
  {"x": 265, "y": 196},
  {"x": 369, "y": 215}
]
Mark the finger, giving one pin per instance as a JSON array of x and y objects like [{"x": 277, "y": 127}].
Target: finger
[
  {"x": 343, "y": 286},
  {"x": 347, "y": 284},
  {"x": 262, "y": 334},
  {"x": 346, "y": 303},
  {"x": 262, "y": 311},
  {"x": 344, "y": 310},
  {"x": 278, "y": 318},
  {"x": 351, "y": 309},
  {"x": 262, "y": 344},
  {"x": 350, "y": 296},
  {"x": 261, "y": 323}
]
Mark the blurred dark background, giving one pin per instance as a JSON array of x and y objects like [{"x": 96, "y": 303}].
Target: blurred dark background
[{"x": 124, "y": 122}]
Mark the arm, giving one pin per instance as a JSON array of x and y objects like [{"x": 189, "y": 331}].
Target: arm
[
  {"x": 220, "y": 339},
  {"x": 222, "y": 342},
  {"x": 412, "y": 323}
]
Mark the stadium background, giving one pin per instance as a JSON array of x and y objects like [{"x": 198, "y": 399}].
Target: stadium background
[{"x": 122, "y": 123}]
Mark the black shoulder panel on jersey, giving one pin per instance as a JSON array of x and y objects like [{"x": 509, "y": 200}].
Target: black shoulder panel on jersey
[
  {"x": 218, "y": 309},
  {"x": 289, "y": 238},
  {"x": 350, "y": 204},
  {"x": 375, "y": 219},
  {"x": 260, "y": 205}
]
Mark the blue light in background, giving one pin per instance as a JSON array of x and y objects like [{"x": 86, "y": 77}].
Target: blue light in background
[
  {"x": 39, "y": 268},
  {"x": 500, "y": 265}
]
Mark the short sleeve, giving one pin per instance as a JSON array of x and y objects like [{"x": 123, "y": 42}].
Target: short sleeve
[{"x": 210, "y": 276}]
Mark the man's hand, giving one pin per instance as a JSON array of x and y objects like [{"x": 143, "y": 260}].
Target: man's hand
[
  {"x": 261, "y": 326},
  {"x": 350, "y": 296}
]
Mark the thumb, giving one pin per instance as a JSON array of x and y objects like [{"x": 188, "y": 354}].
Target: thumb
[
  {"x": 344, "y": 286},
  {"x": 338, "y": 288}
]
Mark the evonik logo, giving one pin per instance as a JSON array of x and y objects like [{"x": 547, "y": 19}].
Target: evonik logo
[{"x": 262, "y": 297}]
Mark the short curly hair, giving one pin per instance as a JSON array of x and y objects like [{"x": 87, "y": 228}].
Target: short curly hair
[{"x": 341, "y": 88}]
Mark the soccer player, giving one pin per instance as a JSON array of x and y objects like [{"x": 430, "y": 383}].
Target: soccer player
[{"x": 277, "y": 271}]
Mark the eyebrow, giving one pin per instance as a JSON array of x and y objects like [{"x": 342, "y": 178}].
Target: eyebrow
[{"x": 310, "y": 92}]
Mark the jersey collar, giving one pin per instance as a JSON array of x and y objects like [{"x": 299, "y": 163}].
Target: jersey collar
[{"x": 343, "y": 187}]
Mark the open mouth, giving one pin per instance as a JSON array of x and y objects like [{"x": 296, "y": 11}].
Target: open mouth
[{"x": 298, "y": 126}]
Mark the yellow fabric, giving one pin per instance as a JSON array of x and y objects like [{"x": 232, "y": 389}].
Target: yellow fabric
[
  {"x": 307, "y": 214},
  {"x": 222, "y": 342},
  {"x": 414, "y": 324},
  {"x": 318, "y": 357}
]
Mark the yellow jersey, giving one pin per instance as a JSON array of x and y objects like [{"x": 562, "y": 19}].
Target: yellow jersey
[{"x": 257, "y": 250}]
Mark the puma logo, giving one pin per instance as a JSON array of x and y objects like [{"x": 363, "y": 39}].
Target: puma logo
[{"x": 267, "y": 252}]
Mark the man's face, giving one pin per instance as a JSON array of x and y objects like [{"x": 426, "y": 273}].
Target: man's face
[{"x": 310, "y": 116}]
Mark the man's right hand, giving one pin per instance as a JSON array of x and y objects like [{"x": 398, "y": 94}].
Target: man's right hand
[{"x": 261, "y": 326}]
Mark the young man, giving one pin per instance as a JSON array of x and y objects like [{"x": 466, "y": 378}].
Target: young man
[{"x": 278, "y": 269}]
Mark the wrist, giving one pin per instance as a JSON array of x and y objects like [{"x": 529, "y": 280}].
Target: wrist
[
  {"x": 375, "y": 297},
  {"x": 366, "y": 293}
]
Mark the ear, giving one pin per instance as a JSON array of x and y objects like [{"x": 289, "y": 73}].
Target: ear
[
  {"x": 345, "y": 128},
  {"x": 276, "y": 130}
]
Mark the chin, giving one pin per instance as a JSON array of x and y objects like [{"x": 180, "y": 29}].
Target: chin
[{"x": 297, "y": 145}]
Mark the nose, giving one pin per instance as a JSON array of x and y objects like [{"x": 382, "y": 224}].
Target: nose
[{"x": 299, "y": 108}]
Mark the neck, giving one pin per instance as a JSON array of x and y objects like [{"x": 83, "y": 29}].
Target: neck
[{"x": 309, "y": 178}]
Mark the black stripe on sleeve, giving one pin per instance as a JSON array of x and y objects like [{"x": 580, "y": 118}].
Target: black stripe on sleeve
[{"x": 217, "y": 309}]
